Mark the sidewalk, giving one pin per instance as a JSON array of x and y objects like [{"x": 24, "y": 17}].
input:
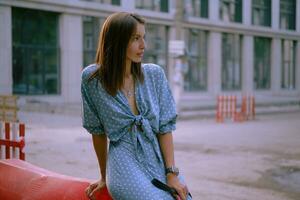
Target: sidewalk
[{"x": 231, "y": 161}]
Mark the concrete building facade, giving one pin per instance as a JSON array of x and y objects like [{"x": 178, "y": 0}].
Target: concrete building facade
[{"x": 234, "y": 47}]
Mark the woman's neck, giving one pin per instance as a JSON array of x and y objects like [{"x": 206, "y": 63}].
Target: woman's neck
[{"x": 128, "y": 69}]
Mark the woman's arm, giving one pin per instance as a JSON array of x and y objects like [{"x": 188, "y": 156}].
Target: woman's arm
[
  {"x": 100, "y": 146},
  {"x": 167, "y": 149}
]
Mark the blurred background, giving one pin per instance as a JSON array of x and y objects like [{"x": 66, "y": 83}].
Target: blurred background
[{"x": 206, "y": 47}]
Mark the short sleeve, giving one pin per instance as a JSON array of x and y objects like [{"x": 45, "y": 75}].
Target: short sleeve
[
  {"x": 90, "y": 118},
  {"x": 167, "y": 108}
]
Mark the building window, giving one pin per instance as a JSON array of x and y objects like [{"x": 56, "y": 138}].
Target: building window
[
  {"x": 91, "y": 30},
  {"x": 155, "y": 5},
  {"x": 112, "y": 2},
  {"x": 262, "y": 64},
  {"x": 261, "y": 12},
  {"x": 156, "y": 45},
  {"x": 196, "y": 8},
  {"x": 288, "y": 67},
  {"x": 195, "y": 78},
  {"x": 288, "y": 14},
  {"x": 36, "y": 68},
  {"x": 231, "y": 10},
  {"x": 231, "y": 61}
]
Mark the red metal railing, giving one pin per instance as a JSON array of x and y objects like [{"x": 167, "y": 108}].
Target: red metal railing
[{"x": 14, "y": 137}]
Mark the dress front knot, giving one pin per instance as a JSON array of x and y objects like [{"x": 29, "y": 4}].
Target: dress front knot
[{"x": 139, "y": 122}]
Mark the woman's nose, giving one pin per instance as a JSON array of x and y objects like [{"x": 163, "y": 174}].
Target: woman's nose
[{"x": 143, "y": 44}]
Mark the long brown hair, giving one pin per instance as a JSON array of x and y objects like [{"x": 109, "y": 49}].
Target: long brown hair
[{"x": 111, "y": 53}]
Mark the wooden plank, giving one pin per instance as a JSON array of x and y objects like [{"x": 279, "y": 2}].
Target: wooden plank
[{"x": 8, "y": 108}]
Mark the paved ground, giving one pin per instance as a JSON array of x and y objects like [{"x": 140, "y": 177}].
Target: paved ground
[{"x": 254, "y": 160}]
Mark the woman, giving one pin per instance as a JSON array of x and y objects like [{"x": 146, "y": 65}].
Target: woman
[{"x": 131, "y": 105}]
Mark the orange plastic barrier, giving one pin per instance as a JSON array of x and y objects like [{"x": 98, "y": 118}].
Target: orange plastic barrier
[
  {"x": 14, "y": 138},
  {"x": 20, "y": 180},
  {"x": 227, "y": 108},
  {"x": 248, "y": 107}
]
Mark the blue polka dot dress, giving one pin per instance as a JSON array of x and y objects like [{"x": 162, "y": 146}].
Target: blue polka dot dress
[{"x": 134, "y": 156}]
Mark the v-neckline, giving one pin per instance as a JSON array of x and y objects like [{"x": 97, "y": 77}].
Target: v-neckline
[{"x": 136, "y": 94}]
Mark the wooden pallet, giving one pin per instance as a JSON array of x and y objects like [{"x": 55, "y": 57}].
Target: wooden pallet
[{"x": 9, "y": 108}]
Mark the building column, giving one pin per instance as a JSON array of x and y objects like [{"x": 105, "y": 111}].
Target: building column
[
  {"x": 71, "y": 56},
  {"x": 275, "y": 65},
  {"x": 247, "y": 12},
  {"x": 298, "y": 16},
  {"x": 6, "y": 78},
  {"x": 275, "y": 14},
  {"x": 247, "y": 64},
  {"x": 175, "y": 72},
  {"x": 213, "y": 10},
  {"x": 128, "y": 5},
  {"x": 214, "y": 63},
  {"x": 298, "y": 67},
  {"x": 298, "y": 47}
]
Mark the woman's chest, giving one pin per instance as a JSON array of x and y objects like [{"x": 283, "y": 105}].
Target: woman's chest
[{"x": 145, "y": 101}]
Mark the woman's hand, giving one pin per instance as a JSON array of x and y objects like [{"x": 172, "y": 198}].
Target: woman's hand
[
  {"x": 173, "y": 181},
  {"x": 94, "y": 187}
]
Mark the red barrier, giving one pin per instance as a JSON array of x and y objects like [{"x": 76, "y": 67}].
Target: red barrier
[
  {"x": 14, "y": 138},
  {"x": 20, "y": 180},
  {"x": 227, "y": 108},
  {"x": 248, "y": 107}
]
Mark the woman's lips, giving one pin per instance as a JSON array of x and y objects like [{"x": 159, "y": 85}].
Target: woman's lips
[{"x": 140, "y": 54}]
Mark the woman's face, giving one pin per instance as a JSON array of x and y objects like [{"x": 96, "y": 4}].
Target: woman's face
[{"x": 136, "y": 46}]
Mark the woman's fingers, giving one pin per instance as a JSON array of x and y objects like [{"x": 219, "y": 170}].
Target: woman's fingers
[
  {"x": 180, "y": 188},
  {"x": 93, "y": 191},
  {"x": 90, "y": 190},
  {"x": 182, "y": 195},
  {"x": 181, "y": 192},
  {"x": 94, "y": 187},
  {"x": 186, "y": 190},
  {"x": 87, "y": 191}
]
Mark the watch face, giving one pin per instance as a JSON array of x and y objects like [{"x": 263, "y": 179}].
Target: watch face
[{"x": 173, "y": 170}]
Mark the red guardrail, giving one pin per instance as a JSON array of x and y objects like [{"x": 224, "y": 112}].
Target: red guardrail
[
  {"x": 12, "y": 136},
  {"x": 248, "y": 107},
  {"x": 227, "y": 108}
]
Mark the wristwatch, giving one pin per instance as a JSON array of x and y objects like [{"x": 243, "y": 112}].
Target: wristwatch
[{"x": 173, "y": 170}]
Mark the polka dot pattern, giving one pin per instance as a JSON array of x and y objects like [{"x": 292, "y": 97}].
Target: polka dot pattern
[{"x": 134, "y": 156}]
